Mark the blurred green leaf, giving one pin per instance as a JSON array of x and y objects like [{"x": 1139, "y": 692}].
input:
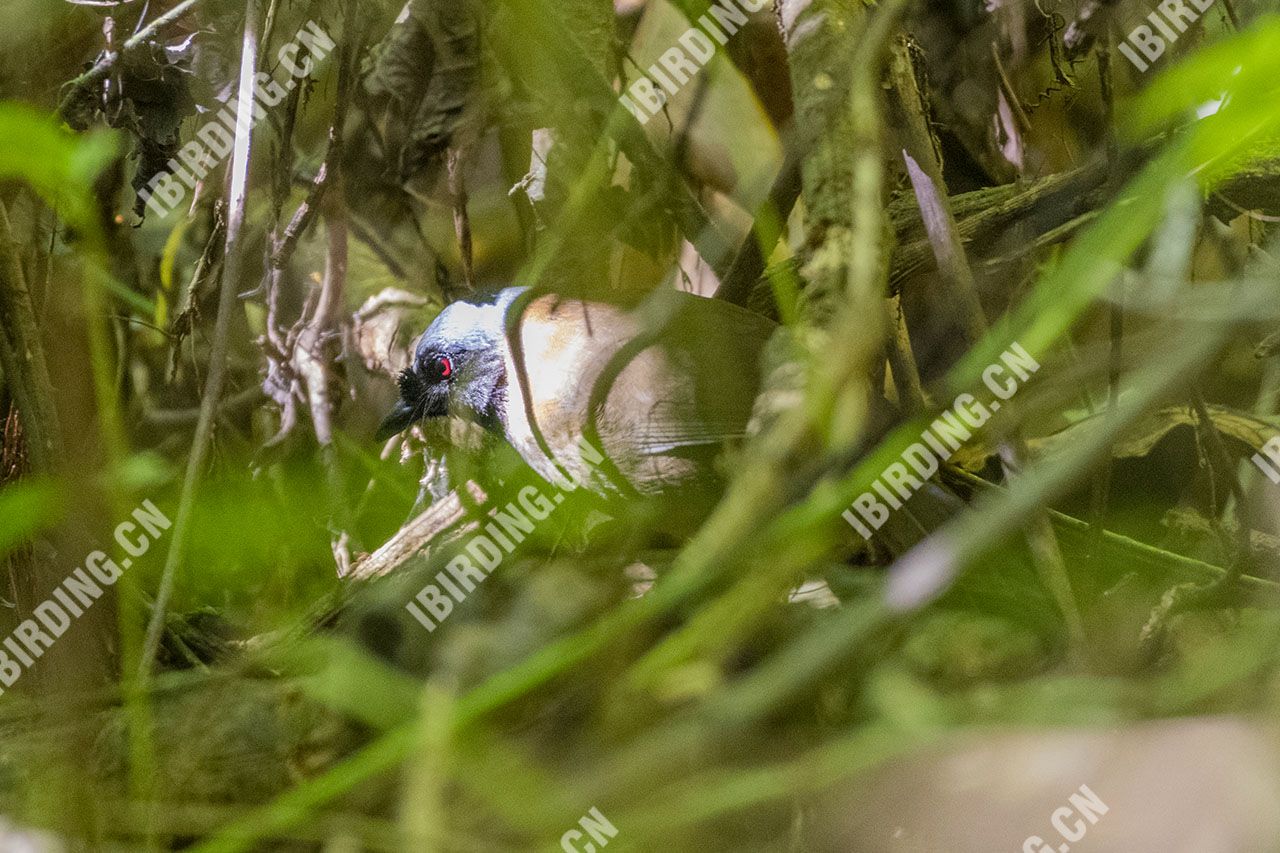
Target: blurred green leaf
[
  {"x": 1241, "y": 67},
  {"x": 27, "y": 508},
  {"x": 143, "y": 472},
  {"x": 61, "y": 167}
]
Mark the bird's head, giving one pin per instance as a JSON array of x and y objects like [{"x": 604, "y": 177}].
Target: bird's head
[{"x": 458, "y": 367}]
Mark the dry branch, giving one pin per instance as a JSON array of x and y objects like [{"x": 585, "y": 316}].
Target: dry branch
[
  {"x": 418, "y": 535},
  {"x": 1054, "y": 201},
  {"x": 923, "y": 157},
  {"x": 22, "y": 357},
  {"x": 238, "y": 198},
  {"x": 75, "y": 88},
  {"x": 1125, "y": 551}
]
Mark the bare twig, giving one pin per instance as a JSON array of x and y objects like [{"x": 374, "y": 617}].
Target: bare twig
[
  {"x": 299, "y": 361},
  {"x": 456, "y": 164},
  {"x": 989, "y": 221},
  {"x": 1230, "y": 7},
  {"x": 1130, "y": 551},
  {"x": 1010, "y": 95},
  {"x": 185, "y": 310},
  {"x": 417, "y": 536},
  {"x": 182, "y": 417},
  {"x": 22, "y": 357},
  {"x": 238, "y": 196},
  {"x": 1106, "y": 90},
  {"x": 902, "y": 361},
  {"x": 282, "y": 382},
  {"x": 107, "y": 61},
  {"x": 1101, "y": 492},
  {"x": 1240, "y": 558},
  {"x": 924, "y": 167},
  {"x": 1081, "y": 33},
  {"x": 1221, "y": 465}
]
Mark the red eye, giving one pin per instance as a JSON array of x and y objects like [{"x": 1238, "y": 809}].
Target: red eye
[{"x": 444, "y": 366}]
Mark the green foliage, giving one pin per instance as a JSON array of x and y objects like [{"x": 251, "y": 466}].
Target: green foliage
[
  {"x": 715, "y": 710},
  {"x": 28, "y": 508},
  {"x": 60, "y": 166}
]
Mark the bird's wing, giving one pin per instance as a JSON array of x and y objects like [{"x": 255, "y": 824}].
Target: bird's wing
[
  {"x": 695, "y": 385},
  {"x": 653, "y": 392}
]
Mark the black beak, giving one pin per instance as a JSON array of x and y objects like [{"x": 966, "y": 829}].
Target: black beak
[{"x": 400, "y": 418}]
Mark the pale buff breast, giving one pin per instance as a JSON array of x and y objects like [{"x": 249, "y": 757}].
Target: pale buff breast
[{"x": 566, "y": 332}]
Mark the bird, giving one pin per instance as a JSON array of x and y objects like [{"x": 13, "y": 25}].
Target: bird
[
  {"x": 628, "y": 400},
  {"x": 634, "y": 402}
]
